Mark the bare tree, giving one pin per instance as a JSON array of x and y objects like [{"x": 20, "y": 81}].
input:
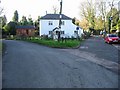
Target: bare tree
[
  {"x": 1, "y": 9},
  {"x": 88, "y": 11},
  {"x": 55, "y": 9},
  {"x": 101, "y": 6}
]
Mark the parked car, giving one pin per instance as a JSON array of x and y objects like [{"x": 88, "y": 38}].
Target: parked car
[{"x": 112, "y": 38}]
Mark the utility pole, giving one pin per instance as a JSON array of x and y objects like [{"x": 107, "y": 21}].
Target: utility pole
[{"x": 60, "y": 22}]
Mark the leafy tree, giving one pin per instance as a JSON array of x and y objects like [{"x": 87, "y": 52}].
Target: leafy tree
[
  {"x": 15, "y": 17},
  {"x": 99, "y": 23},
  {"x": 102, "y": 10},
  {"x": 3, "y": 23},
  {"x": 84, "y": 24},
  {"x": 73, "y": 20},
  {"x": 76, "y": 21},
  {"x": 30, "y": 21},
  {"x": 4, "y": 20},
  {"x": 24, "y": 21},
  {"x": 1, "y": 11},
  {"x": 115, "y": 16},
  {"x": 10, "y": 28},
  {"x": 36, "y": 23},
  {"x": 88, "y": 12}
]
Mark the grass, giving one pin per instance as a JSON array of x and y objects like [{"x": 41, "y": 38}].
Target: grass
[{"x": 56, "y": 44}]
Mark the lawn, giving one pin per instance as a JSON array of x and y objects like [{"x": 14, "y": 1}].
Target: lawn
[{"x": 56, "y": 44}]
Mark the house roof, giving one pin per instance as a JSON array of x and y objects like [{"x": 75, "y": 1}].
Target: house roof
[
  {"x": 25, "y": 27},
  {"x": 55, "y": 17}
]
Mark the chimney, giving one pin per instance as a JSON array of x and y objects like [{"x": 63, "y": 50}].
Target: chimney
[{"x": 46, "y": 12}]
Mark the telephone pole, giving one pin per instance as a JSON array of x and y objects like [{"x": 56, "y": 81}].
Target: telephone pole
[{"x": 60, "y": 22}]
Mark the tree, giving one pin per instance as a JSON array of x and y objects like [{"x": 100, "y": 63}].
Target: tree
[
  {"x": 15, "y": 17},
  {"x": 73, "y": 20},
  {"x": 30, "y": 21},
  {"x": 37, "y": 26},
  {"x": 115, "y": 17},
  {"x": 99, "y": 23},
  {"x": 24, "y": 21},
  {"x": 88, "y": 12},
  {"x": 4, "y": 21},
  {"x": 1, "y": 9},
  {"x": 10, "y": 28},
  {"x": 101, "y": 6},
  {"x": 84, "y": 24},
  {"x": 55, "y": 9}
]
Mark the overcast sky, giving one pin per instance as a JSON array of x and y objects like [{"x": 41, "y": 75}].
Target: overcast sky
[{"x": 37, "y": 8}]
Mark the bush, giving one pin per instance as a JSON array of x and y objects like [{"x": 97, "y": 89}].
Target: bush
[{"x": 86, "y": 35}]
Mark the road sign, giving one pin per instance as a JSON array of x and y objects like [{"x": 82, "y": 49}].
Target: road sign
[{"x": 77, "y": 28}]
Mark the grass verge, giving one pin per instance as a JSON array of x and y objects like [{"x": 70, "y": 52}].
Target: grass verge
[{"x": 56, "y": 44}]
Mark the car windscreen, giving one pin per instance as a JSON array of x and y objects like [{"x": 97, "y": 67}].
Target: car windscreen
[{"x": 112, "y": 35}]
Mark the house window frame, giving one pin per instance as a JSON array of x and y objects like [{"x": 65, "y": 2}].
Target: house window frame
[
  {"x": 50, "y": 23},
  {"x": 50, "y": 32},
  {"x": 76, "y": 32},
  {"x": 62, "y": 22},
  {"x": 62, "y": 32}
]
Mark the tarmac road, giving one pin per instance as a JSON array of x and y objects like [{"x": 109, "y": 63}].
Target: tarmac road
[
  {"x": 97, "y": 46},
  {"x": 29, "y": 65}
]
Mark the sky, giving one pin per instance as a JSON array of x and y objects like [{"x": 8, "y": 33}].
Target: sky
[{"x": 35, "y": 8}]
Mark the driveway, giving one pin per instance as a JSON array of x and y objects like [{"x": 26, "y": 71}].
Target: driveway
[{"x": 28, "y": 65}]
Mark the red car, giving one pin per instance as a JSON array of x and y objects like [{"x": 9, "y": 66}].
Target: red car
[{"x": 112, "y": 38}]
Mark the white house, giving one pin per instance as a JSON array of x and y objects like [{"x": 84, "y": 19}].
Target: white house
[{"x": 49, "y": 22}]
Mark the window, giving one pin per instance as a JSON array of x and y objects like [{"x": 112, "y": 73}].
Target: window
[
  {"x": 50, "y": 23},
  {"x": 50, "y": 32},
  {"x": 62, "y": 22},
  {"x": 76, "y": 32},
  {"x": 27, "y": 31},
  {"x": 62, "y": 32}
]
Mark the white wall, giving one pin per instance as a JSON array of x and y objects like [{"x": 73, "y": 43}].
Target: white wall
[{"x": 68, "y": 27}]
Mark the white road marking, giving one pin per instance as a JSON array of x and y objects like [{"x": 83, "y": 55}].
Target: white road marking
[{"x": 84, "y": 47}]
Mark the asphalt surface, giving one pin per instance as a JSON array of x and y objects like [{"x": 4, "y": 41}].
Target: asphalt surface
[
  {"x": 97, "y": 46},
  {"x": 28, "y": 65},
  {"x": 0, "y": 65}
]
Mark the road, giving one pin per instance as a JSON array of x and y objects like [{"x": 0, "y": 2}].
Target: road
[
  {"x": 97, "y": 46},
  {"x": 28, "y": 65},
  {"x": 0, "y": 64}
]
